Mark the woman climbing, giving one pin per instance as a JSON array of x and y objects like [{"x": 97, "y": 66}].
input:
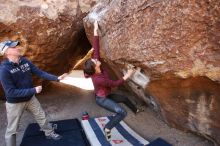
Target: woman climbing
[{"x": 103, "y": 84}]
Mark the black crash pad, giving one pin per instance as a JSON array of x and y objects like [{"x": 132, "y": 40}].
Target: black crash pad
[{"x": 70, "y": 130}]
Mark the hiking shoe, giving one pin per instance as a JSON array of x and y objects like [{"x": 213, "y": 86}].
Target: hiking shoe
[
  {"x": 54, "y": 136},
  {"x": 107, "y": 134}
]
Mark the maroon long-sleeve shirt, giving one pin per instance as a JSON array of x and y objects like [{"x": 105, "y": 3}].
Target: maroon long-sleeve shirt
[{"x": 101, "y": 81}]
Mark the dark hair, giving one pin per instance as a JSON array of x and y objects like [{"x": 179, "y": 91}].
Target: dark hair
[{"x": 89, "y": 67}]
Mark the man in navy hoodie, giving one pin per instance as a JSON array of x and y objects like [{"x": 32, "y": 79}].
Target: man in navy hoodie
[{"x": 16, "y": 78}]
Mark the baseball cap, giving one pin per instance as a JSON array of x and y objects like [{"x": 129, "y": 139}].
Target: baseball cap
[{"x": 7, "y": 44}]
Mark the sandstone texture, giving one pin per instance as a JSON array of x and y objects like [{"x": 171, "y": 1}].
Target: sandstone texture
[
  {"x": 49, "y": 30},
  {"x": 176, "y": 47}
]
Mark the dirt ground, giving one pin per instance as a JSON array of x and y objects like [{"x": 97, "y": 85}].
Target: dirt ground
[{"x": 65, "y": 102}]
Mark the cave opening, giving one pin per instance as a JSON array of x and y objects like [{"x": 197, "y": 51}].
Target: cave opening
[{"x": 77, "y": 52}]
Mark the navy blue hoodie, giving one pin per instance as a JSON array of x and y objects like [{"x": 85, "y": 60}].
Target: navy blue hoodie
[{"x": 17, "y": 82}]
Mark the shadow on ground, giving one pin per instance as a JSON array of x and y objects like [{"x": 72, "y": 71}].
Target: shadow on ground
[{"x": 65, "y": 102}]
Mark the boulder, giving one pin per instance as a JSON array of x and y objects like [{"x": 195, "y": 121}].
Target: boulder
[
  {"x": 48, "y": 30},
  {"x": 175, "y": 47}
]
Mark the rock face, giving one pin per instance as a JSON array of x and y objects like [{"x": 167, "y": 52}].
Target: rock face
[
  {"x": 176, "y": 46},
  {"x": 191, "y": 103},
  {"x": 49, "y": 30}
]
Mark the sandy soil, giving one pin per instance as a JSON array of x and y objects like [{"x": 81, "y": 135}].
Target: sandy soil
[{"x": 65, "y": 102}]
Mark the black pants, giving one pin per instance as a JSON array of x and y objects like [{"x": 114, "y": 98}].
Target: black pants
[{"x": 123, "y": 99}]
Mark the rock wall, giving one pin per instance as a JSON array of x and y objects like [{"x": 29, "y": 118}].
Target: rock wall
[
  {"x": 49, "y": 30},
  {"x": 189, "y": 104},
  {"x": 175, "y": 45}
]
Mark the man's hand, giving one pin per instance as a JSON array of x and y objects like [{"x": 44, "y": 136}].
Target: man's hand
[
  {"x": 38, "y": 89},
  {"x": 62, "y": 76}
]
